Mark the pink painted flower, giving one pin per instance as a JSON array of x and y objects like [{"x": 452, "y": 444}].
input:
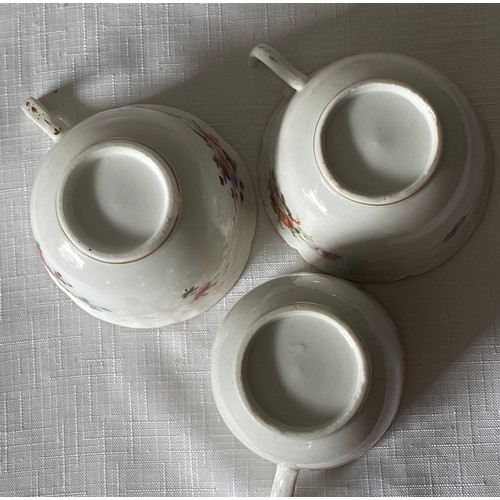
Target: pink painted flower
[
  {"x": 225, "y": 163},
  {"x": 326, "y": 254},
  {"x": 202, "y": 290}
]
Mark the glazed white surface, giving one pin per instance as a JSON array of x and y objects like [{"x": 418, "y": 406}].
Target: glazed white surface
[
  {"x": 170, "y": 275},
  {"x": 373, "y": 230},
  {"x": 321, "y": 438},
  {"x": 117, "y": 201},
  {"x": 379, "y": 139},
  {"x": 88, "y": 408},
  {"x": 302, "y": 369}
]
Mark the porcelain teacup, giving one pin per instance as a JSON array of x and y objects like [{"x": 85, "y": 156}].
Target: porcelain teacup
[
  {"x": 307, "y": 372},
  {"x": 374, "y": 167},
  {"x": 143, "y": 215}
]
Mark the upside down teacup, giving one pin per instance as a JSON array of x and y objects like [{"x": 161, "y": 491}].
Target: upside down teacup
[
  {"x": 307, "y": 372},
  {"x": 143, "y": 215},
  {"x": 375, "y": 167}
]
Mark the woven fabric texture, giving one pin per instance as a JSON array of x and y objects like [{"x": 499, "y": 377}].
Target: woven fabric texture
[{"x": 87, "y": 408}]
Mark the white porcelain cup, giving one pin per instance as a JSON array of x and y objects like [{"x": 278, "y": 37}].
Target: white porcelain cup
[
  {"x": 143, "y": 215},
  {"x": 374, "y": 167},
  {"x": 302, "y": 373},
  {"x": 307, "y": 372}
]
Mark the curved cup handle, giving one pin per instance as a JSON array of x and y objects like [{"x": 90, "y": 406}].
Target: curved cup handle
[
  {"x": 272, "y": 59},
  {"x": 284, "y": 481},
  {"x": 37, "y": 112}
]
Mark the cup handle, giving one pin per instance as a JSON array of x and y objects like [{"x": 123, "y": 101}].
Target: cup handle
[
  {"x": 284, "y": 481},
  {"x": 265, "y": 55},
  {"x": 37, "y": 112}
]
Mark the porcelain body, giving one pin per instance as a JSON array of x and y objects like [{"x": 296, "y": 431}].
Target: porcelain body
[
  {"x": 307, "y": 371},
  {"x": 375, "y": 168},
  {"x": 143, "y": 215}
]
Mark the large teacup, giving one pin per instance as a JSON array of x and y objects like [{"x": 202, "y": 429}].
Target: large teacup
[
  {"x": 143, "y": 215},
  {"x": 375, "y": 167}
]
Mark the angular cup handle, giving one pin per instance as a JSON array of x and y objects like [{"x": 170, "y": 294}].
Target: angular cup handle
[
  {"x": 37, "y": 112},
  {"x": 285, "y": 480},
  {"x": 267, "y": 57}
]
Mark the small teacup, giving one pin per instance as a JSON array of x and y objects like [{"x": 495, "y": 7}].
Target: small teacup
[{"x": 307, "y": 372}]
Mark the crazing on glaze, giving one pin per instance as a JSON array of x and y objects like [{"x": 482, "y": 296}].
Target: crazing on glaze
[{"x": 288, "y": 221}]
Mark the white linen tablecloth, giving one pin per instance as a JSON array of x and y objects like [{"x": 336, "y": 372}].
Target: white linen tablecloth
[{"x": 87, "y": 408}]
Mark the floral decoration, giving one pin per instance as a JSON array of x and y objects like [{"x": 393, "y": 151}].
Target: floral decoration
[
  {"x": 67, "y": 286},
  {"x": 287, "y": 220},
  {"x": 226, "y": 164},
  {"x": 326, "y": 254},
  {"x": 195, "y": 292},
  {"x": 56, "y": 274},
  {"x": 278, "y": 203},
  {"x": 93, "y": 306}
]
